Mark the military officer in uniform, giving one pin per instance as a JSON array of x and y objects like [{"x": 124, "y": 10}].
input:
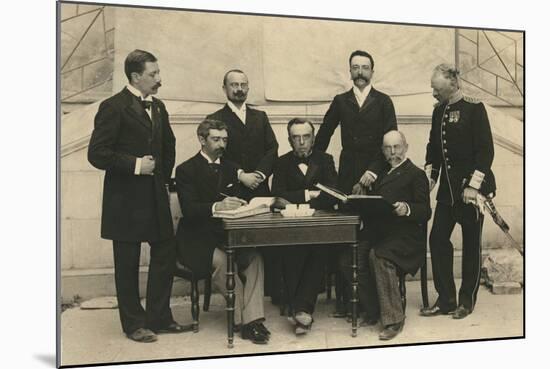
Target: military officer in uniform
[{"x": 460, "y": 152}]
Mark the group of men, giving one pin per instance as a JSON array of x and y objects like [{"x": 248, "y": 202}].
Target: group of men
[{"x": 134, "y": 143}]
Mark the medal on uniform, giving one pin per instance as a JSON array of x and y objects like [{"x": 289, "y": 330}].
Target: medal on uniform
[{"x": 454, "y": 116}]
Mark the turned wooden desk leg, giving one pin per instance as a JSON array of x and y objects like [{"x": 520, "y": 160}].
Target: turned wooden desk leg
[
  {"x": 230, "y": 286},
  {"x": 354, "y": 289}
]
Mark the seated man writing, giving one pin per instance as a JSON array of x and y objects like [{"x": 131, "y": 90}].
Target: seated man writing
[
  {"x": 206, "y": 183},
  {"x": 294, "y": 179},
  {"x": 394, "y": 241}
]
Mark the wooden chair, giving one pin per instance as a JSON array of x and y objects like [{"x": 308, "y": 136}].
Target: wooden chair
[
  {"x": 423, "y": 278},
  {"x": 183, "y": 272}
]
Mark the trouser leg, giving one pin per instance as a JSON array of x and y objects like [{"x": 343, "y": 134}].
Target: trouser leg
[
  {"x": 219, "y": 264},
  {"x": 368, "y": 296},
  {"x": 441, "y": 250},
  {"x": 387, "y": 286},
  {"x": 126, "y": 261},
  {"x": 311, "y": 276},
  {"x": 472, "y": 223},
  {"x": 159, "y": 283},
  {"x": 253, "y": 290}
]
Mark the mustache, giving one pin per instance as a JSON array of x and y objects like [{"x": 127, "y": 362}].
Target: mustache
[
  {"x": 239, "y": 94},
  {"x": 157, "y": 85},
  {"x": 361, "y": 77}
]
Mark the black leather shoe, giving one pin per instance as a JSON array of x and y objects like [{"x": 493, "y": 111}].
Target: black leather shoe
[
  {"x": 264, "y": 330},
  {"x": 143, "y": 335},
  {"x": 174, "y": 328},
  {"x": 434, "y": 311},
  {"x": 390, "y": 331},
  {"x": 252, "y": 332},
  {"x": 461, "y": 312}
]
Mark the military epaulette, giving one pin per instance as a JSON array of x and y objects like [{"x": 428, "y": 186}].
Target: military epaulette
[{"x": 471, "y": 100}]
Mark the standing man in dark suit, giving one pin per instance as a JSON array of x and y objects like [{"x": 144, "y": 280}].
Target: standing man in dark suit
[
  {"x": 395, "y": 240},
  {"x": 294, "y": 179},
  {"x": 461, "y": 147},
  {"x": 253, "y": 147},
  {"x": 365, "y": 115},
  {"x": 133, "y": 142},
  {"x": 251, "y": 144},
  {"x": 201, "y": 183}
]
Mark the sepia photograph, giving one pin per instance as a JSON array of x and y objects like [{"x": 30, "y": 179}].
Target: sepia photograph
[{"x": 234, "y": 184}]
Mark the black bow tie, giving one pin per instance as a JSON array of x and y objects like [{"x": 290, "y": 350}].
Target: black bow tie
[
  {"x": 146, "y": 104},
  {"x": 302, "y": 160}
]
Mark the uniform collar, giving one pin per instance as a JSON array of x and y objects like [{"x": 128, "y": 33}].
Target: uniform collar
[{"x": 456, "y": 97}]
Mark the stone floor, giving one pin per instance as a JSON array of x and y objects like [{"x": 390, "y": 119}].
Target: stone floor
[{"x": 94, "y": 336}]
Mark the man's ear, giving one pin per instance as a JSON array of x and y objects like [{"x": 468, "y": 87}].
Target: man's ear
[{"x": 202, "y": 140}]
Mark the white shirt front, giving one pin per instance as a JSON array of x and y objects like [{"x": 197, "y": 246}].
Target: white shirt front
[
  {"x": 361, "y": 96},
  {"x": 241, "y": 113}
]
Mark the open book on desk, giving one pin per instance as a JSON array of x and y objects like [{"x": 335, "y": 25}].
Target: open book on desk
[
  {"x": 258, "y": 205},
  {"x": 369, "y": 204}
]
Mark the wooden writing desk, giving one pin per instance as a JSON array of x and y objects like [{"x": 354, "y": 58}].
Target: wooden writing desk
[{"x": 323, "y": 228}]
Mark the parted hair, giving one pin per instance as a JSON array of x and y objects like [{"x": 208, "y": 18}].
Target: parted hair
[
  {"x": 135, "y": 62},
  {"x": 362, "y": 53},
  {"x": 206, "y": 125}
]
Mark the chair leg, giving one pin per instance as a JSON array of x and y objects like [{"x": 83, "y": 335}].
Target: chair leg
[
  {"x": 403, "y": 291},
  {"x": 207, "y": 293},
  {"x": 195, "y": 304}
]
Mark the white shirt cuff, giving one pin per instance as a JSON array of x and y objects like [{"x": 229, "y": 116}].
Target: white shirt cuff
[
  {"x": 137, "y": 170},
  {"x": 213, "y": 208},
  {"x": 306, "y": 195},
  {"x": 261, "y": 174},
  {"x": 239, "y": 172},
  {"x": 408, "y": 209},
  {"x": 372, "y": 174}
]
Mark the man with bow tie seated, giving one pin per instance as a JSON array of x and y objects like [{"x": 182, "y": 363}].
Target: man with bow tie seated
[
  {"x": 393, "y": 241},
  {"x": 207, "y": 183},
  {"x": 294, "y": 179}
]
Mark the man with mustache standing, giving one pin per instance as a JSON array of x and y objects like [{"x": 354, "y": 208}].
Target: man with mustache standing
[
  {"x": 133, "y": 142},
  {"x": 251, "y": 143},
  {"x": 461, "y": 148},
  {"x": 364, "y": 115},
  {"x": 253, "y": 147}
]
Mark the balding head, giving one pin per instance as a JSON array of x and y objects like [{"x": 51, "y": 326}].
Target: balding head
[{"x": 394, "y": 147}]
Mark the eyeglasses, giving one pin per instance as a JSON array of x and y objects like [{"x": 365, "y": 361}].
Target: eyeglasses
[{"x": 237, "y": 85}]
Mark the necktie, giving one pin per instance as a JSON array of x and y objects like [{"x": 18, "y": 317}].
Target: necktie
[
  {"x": 215, "y": 167},
  {"x": 146, "y": 104}
]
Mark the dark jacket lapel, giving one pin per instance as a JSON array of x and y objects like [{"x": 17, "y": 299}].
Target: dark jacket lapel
[
  {"x": 312, "y": 168},
  {"x": 395, "y": 174},
  {"x": 232, "y": 118},
  {"x": 371, "y": 98},
  {"x": 350, "y": 98},
  {"x": 135, "y": 109}
]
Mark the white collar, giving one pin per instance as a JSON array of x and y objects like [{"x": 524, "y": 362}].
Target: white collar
[
  {"x": 137, "y": 93},
  {"x": 365, "y": 91},
  {"x": 398, "y": 165},
  {"x": 234, "y": 108},
  {"x": 208, "y": 158}
]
